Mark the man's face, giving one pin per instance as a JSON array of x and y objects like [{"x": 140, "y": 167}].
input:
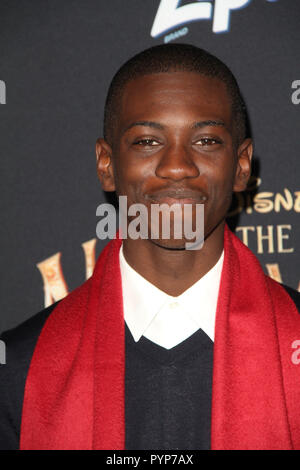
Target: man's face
[{"x": 175, "y": 142}]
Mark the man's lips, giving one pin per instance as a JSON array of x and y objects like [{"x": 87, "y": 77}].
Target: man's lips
[{"x": 177, "y": 196}]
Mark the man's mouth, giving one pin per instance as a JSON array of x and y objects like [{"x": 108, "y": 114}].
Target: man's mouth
[{"x": 177, "y": 196}]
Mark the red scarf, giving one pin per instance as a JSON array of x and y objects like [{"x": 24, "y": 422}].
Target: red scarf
[{"x": 74, "y": 393}]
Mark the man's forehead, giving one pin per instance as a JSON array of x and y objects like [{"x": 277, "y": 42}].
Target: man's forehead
[
  {"x": 176, "y": 80},
  {"x": 171, "y": 91}
]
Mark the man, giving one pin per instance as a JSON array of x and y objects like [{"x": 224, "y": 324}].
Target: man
[{"x": 203, "y": 359}]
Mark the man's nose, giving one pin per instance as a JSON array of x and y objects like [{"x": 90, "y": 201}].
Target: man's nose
[{"x": 176, "y": 163}]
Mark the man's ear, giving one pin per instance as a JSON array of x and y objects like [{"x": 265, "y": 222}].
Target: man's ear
[
  {"x": 104, "y": 165},
  {"x": 243, "y": 170}
]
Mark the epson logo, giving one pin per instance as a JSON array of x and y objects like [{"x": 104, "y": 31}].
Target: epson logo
[{"x": 171, "y": 15}]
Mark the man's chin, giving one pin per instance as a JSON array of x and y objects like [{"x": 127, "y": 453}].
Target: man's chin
[{"x": 171, "y": 244}]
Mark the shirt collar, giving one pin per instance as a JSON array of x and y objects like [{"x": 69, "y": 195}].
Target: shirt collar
[{"x": 142, "y": 300}]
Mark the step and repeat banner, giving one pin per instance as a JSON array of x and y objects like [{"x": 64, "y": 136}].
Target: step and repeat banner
[{"x": 57, "y": 58}]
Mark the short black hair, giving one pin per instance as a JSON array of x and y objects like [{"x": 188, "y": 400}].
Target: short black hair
[{"x": 173, "y": 57}]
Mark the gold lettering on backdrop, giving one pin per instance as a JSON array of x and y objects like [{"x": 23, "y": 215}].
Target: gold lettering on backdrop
[
  {"x": 244, "y": 231},
  {"x": 297, "y": 202},
  {"x": 268, "y": 237},
  {"x": 55, "y": 286},
  {"x": 264, "y": 201},
  {"x": 89, "y": 249},
  {"x": 262, "y": 204},
  {"x": 274, "y": 272},
  {"x": 286, "y": 202},
  {"x": 281, "y": 237}
]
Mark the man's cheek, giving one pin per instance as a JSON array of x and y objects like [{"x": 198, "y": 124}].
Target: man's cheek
[{"x": 219, "y": 202}]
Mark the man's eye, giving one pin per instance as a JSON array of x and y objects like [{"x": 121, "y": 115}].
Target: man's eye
[
  {"x": 146, "y": 142},
  {"x": 207, "y": 141}
]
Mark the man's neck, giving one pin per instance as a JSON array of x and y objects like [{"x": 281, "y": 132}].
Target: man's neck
[{"x": 174, "y": 271}]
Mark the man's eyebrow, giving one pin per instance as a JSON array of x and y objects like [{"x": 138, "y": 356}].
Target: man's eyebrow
[
  {"x": 209, "y": 122},
  {"x": 153, "y": 124},
  {"x": 157, "y": 125}
]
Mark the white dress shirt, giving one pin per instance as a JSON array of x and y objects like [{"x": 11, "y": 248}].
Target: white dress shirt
[{"x": 162, "y": 318}]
